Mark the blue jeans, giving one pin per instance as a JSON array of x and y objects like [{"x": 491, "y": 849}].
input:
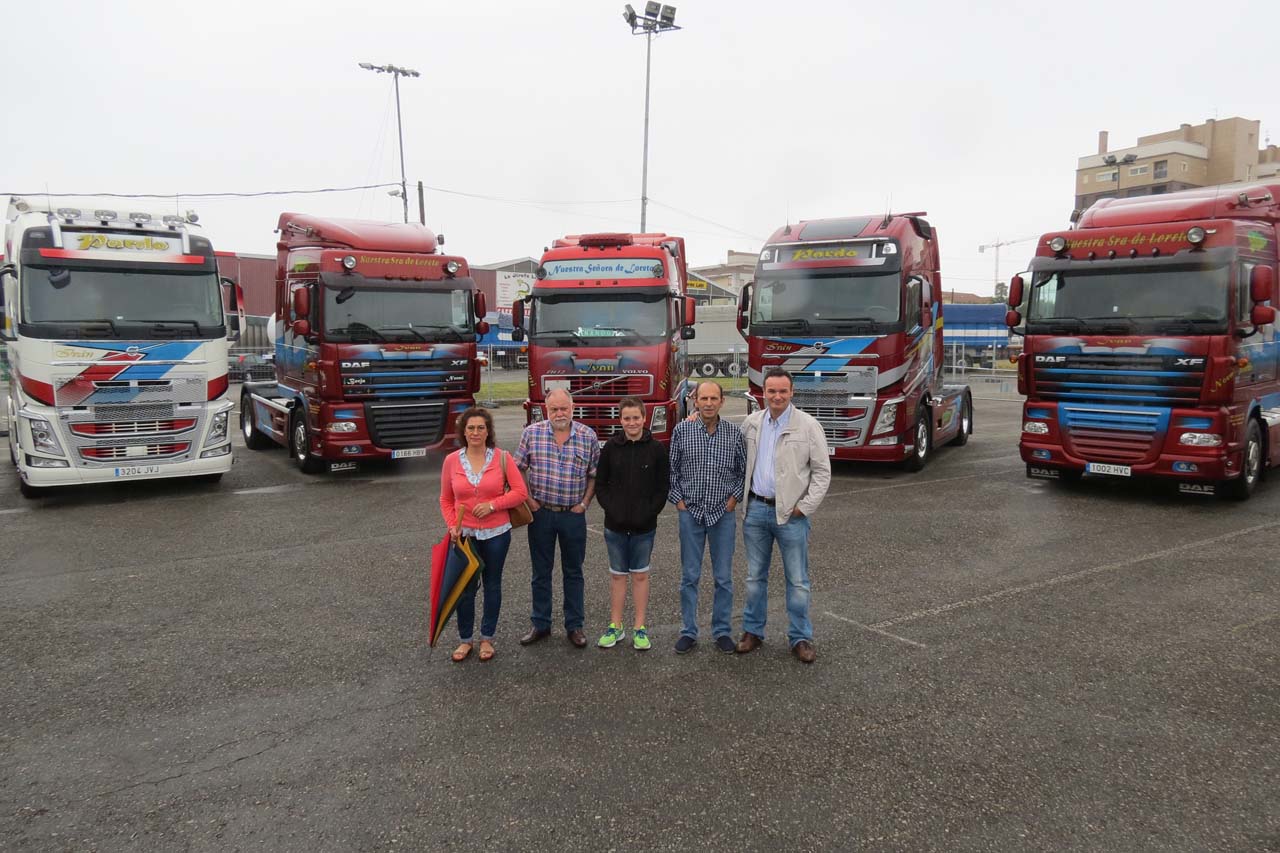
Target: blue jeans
[
  {"x": 759, "y": 532},
  {"x": 694, "y": 539},
  {"x": 629, "y": 552},
  {"x": 570, "y": 530},
  {"x": 493, "y": 552}
]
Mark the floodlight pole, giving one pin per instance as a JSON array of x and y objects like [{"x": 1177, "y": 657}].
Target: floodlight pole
[
  {"x": 648, "y": 26},
  {"x": 397, "y": 72}
]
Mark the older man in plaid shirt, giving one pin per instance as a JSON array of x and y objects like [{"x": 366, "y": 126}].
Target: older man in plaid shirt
[
  {"x": 708, "y": 467},
  {"x": 558, "y": 457}
]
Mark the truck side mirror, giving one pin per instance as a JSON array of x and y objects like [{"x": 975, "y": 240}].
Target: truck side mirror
[
  {"x": 1015, "y": 293},
  {"x": 482, "y": 305},
  {"x": 517, "y": 320},
  {"x": 744, "y": 305},
  {"x": 690, "y": 312},
  {"x": 482, "y": 328},
  {"x": 1012, "y": 318},
  {"x": 1261, "y": 283},
  {"x": 301, "y": 303},
  {"x": 301, "y": 328},
  {"x": 1262, "y": 315},
  {"x": 688, "y": 333}
]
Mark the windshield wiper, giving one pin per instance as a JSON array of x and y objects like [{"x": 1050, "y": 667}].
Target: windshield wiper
[
  {"x": 163, "y": 325},
  {"x": 104, "y": 321},
  {"x": 457, "y": 336},
  {"x": 538, "y": 333},
  {"x": 798, "y": 323},
  {"x": 357, "y": 329}
]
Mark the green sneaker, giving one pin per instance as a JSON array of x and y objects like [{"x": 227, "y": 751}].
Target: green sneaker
[
  {"x": 612, "y": 637},
  {"x": 640, "y": 639}
]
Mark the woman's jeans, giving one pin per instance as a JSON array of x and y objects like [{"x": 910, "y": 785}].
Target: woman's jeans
[{"x": 493, "y": 553}]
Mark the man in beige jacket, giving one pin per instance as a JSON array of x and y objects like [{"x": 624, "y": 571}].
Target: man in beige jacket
[{"x": 788, "y": 472}]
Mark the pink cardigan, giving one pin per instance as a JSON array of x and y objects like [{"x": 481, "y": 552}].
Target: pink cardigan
[{"x": 456, "y": 490}]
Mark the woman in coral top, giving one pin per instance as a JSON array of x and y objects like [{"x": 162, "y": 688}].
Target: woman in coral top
[{"x": 472, "y": 479}]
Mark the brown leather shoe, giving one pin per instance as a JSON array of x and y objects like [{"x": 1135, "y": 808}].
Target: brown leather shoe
[
  {"x": 749, "y": 643},
  {"x": 578, "y": 638},
  {"x": 804, "y": 652},
  {"x": 534, "y": 636}
]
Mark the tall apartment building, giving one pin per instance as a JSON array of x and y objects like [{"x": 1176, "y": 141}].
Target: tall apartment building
[{"x": 1220, "y": 151}]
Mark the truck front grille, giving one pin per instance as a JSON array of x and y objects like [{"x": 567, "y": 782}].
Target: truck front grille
[{"x": 402, "y": 425}]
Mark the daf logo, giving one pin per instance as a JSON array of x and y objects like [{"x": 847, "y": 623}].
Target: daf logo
[
  {"x": 1197, "y": 488},
  {"x": 1050, "y": 359},
  {"x": 1188, "y": 362},
  {"x": 355, "y": 364}
]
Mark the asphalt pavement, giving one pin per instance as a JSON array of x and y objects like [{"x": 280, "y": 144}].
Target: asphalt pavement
[{"x": 1002, "y": 665}]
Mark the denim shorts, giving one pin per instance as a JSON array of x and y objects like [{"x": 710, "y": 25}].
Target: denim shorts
[{"x": 629, "y": 552}]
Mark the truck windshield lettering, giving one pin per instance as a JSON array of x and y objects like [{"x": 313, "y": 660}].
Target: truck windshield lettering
[
  {"x": 131, "y": 303},
  {"x": 1182, "y": 300},
  {"x": 826, "y": 300},
  {"x": 601, "y": 269}
]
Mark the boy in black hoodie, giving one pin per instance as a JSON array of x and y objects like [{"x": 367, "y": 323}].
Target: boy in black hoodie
[{"x": 631, "y": 484}]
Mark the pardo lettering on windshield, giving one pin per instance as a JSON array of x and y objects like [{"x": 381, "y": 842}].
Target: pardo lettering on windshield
[{"x": 102, "y": 241}]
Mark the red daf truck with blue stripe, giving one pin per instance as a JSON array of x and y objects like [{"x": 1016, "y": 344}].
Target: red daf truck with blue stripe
[
  {"x": 117, "y": 341},
  {"x": 1150, "y": 342},
  {"x": 852, "y": 308},
  {"x": 375, "y": 345}
]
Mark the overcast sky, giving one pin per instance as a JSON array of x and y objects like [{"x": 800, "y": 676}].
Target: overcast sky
[{"x": 761, "y": 112}]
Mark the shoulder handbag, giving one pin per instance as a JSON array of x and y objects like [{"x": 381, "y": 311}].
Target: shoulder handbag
[{"x": 520, "y": 514}]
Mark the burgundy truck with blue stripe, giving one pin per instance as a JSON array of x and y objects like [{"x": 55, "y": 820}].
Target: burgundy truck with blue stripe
[
  {"x": 117, "y": 340},
  {"x": 375, "y": 345},
  {"x": 852, "y": 308},
  {"x": 608, "y": 317},
  {"x": 1150, "y": 342}
]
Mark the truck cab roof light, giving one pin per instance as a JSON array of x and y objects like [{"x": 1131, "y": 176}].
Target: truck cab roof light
[
  {"x": 69, "y": 213},
  {"x": 104, "y": 215},
  {"x": 140, "y": 218},
  {"x": 888, "y": 249},
  {"x": 349, "y": 262},
  {"x": 1196, "y": 235},
  {"x": 172, "y": 220},
  {"x": 1058, "y": 244},
  {"x": 452, "y": 267}
]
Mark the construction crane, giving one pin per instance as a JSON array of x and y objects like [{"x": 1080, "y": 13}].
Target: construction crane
[{"x": 1001, "y": 289}]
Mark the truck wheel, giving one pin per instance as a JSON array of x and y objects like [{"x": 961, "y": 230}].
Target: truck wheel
[
  {"x": 253, "y": 438},
  {"x": 211, "y": 479},
  {"x": 966, "y": 422},
  {"x": 1241, "y": 488},
  {"x": 707, "y": 368},
  {"x": 29, "y": 491},
  {"x": 733, "y": 367},
  {"x": 923, "y": 441},
  {"x": 299, "y": 446}
]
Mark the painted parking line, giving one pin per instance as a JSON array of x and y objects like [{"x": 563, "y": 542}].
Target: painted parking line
[
  {"x": 874, "y": 630},
  {"x": 980, "y": 600}
]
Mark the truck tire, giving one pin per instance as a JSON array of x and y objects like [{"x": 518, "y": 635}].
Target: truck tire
[
  {"x": 733, "y": 367},
  {"x": 966, "y": 422},
  {"x": 1241, "y": 488},
  {"x": 211, "y": 479},
  {"x": 253, "y": 438},
  {"x": 923, "y": 442},
  {"x": 707, "y": 368},
  {"x": 29, "y": 491},
  {"x": 300, "y": 446}
]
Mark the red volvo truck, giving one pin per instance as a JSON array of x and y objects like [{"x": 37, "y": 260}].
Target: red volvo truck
[
  {"x": 609, "y": 318},
  {"x": 1150, "y": 344},
  {"x": 375, "y": 344},
  {"x": 852, "y": 308}
]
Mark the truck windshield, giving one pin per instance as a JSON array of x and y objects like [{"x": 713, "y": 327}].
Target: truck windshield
[
  {"x": 1162, "y": 300},
  {"x": 366, "y": 315},
  {"x": 121, "y": 303},
  {"x": 600, "y": 319},
  {"x": 807, "y": 301}
]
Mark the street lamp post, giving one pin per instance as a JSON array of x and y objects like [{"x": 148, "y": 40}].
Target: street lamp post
[
  {"x": 397, "y": 72},
  {"x": 657, "y": 18},
  {"x": 1110, "y": 160}
]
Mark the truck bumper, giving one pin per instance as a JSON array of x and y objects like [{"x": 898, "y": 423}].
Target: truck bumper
[
  {"x": 53, "y": 477},
  {"x": 1222, "y": 465}
]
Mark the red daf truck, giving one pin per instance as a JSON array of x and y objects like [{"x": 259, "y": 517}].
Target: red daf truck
[
  {"x": 852, "y": 309},
  {"x": 608, "y": 318},
  {"x": 1150, "y": 344},
  {"x": 375, "y": 344}
]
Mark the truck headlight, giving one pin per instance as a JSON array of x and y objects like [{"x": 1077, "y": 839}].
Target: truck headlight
[
  {"x": 1201, "y": 439},
  {"x": 43, "y": 438},
  {"x": 888, "y": 417},
  {"x": 535, "y": 413},
  {"x": 1035, "y": 428},
  {"x": 658, "y": 423},
  {"x": 218, "y": 428},
  {"x": 341, "y": 426}
]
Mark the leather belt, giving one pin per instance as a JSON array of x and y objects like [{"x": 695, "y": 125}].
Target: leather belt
[
  {"x": 763, "y": 499},
  {"x": 556, "y": 507}
]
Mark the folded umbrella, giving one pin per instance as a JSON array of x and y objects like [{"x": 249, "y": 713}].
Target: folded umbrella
[{"x": 449, "y": 579}]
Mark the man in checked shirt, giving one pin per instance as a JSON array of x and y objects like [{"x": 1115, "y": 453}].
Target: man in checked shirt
[
  {"x": 708, "y": 468},
  {"x": 558, "y": 457}
]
